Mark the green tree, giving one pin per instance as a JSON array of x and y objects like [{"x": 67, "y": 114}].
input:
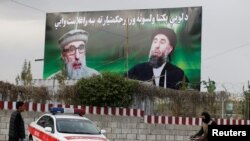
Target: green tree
[
  {"x": 17, "y": 80},
  {"x": 183, "y": 85},
  {"x": 106, "y": 90},
  {"x": 210, "y": 85},
  {"x": 25, "y": 77},
  {"x": 247, "y": 102},
  {"x": 61, "y": 76}
]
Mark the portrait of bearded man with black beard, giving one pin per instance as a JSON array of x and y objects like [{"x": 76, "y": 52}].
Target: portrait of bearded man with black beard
[
  {"x": 159, "y": 68},
  {"x": 73, "y": 52}
]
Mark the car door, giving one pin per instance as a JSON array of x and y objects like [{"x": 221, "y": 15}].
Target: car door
[{"x": 41, "y": 134}]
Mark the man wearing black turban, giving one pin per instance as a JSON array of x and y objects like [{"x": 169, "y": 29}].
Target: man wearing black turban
[{"x": 159, "y": 69}]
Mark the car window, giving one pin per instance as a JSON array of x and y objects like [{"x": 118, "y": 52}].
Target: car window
[
  {"x": 76, "y": 126},
  {"x": 41, "y": 121},
  {"x": 46, "y": 121}
]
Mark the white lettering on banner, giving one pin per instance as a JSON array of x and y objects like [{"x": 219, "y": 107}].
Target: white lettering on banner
[{"x": 105, "y": 21}]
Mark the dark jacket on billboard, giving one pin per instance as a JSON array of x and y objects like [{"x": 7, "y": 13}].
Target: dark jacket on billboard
[
  {"x": 16, "y": 127},
  {"x": 144, "y": 72}
]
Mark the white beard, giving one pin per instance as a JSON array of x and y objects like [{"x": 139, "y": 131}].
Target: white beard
[{"x": 76, "y": 73}]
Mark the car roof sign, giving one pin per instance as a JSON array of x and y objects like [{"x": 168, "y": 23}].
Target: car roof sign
[{"x": 55, "y": 110}]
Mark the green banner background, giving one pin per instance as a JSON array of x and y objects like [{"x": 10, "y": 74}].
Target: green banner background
[{"x": 108, "y": 33}]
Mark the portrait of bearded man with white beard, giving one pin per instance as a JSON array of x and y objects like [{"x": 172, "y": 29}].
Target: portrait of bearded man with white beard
[
  {"x": 73, "y": 52},
  {"x": 158, "y": 68}
]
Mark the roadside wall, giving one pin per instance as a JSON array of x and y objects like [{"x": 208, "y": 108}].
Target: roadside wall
[
  {"x": 119, "y": 128},
  {"x": 121, "y": 124}
]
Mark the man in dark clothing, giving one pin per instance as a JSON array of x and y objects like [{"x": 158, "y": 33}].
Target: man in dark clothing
[
  {"x": 16, "y": 128},
  {"x": 202, "y": 134},
  {"x": 159, "y": 69}
]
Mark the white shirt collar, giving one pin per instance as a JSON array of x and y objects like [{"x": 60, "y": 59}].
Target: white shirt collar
[{"x": 157, "y": 74}]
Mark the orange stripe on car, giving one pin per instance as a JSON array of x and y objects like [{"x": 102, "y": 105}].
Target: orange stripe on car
[
  {"x": 41, "y": 135},
  {"x": 85, "y": 137}
]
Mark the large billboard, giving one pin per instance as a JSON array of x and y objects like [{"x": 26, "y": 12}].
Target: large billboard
[{"x": 116, "y": 41}]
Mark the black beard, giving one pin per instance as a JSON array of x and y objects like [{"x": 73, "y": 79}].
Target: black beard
[{"x": 156, "y": 62}]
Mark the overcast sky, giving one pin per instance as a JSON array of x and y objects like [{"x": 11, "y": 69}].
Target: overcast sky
[{"x": 225, "y": 34}]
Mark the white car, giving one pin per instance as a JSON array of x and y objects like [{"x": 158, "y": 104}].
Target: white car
[{"x": 58, "y": 126}]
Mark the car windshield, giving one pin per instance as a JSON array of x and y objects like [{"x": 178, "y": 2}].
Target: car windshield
[{"x": 76, "y": 126}]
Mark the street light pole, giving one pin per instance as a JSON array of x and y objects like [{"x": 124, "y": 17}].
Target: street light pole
[
  {"x": 222, "y": 107},
  {"x": 36, "y": 60}
]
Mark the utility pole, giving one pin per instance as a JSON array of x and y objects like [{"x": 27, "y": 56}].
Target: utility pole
[
  {"x": 126, "y": 47},
  {"x": 222, "y": 108}
]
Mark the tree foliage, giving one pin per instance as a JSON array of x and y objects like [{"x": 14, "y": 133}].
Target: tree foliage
[
  {"x": 210, "y": 85},
  {"x": 61, "y": 76},
  {"x": 247, "y": 102},
  {"x": 25, "y": 77},
  {"x": 106, "y": 90},
  {"x": 25, "y": 93},
  {"x": 67, "y": 94}
]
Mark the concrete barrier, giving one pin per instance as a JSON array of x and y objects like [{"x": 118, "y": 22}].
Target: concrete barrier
[
  {"x": 121, "y": 124},
  {"x": 119, "y": 128}
]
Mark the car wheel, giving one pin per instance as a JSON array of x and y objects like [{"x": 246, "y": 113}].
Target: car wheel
[{"x": 30, "y": 138}]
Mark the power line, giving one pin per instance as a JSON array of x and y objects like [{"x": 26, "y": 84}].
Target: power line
[
  {"x": 208, "y": 58},
  {"x": 25, "y": 5},
  {"x": 227, "y": 51}
]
